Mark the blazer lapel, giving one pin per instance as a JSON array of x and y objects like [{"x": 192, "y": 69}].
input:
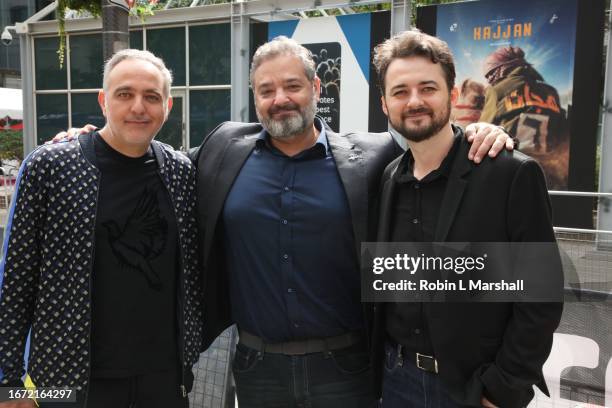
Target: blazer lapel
[
  {"x": 234, "y": 157},
  {"x": 454, "y": 192},
  {"x": 385, "y": 212},
  {"x": 351, "y": 168}
]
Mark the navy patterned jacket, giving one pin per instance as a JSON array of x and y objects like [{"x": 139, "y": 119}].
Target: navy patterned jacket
[{"x": 45, "y": 275}]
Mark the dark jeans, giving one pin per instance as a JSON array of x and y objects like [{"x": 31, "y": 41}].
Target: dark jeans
[
  {"x": 406, "y": 386},
  {"x": 153, "y": 390},
  {"x": 333, "y": 379}
]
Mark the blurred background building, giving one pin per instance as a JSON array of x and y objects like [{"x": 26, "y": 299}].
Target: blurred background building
[{"x": 11, "y": 12}]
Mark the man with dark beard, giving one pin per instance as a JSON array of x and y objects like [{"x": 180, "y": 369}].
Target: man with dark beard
[
  {"x": 453, "y": 355},
  {"x": 284, "y": 206}
]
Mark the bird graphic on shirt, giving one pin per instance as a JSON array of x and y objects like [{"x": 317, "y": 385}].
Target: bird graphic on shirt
[{"x": 142, "y": 238}]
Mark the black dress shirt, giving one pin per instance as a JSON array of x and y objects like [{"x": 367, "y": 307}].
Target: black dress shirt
[
  {"x": 416, "y": 208},
  {"x": 290, "y": 248}
]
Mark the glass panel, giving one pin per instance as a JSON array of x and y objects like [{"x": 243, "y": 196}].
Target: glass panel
[
  {"x": 48, "y": 73},
  {"x": 85, "y": 109},
  {"x": 207, "y": 110},
  {"x": 18, "y": 14},
  {"x": 40, "y": 4},
  {"x": 86, "y": 61},
  {"x": 136, "y": 39},
  {"x": 169, "y": 45},
  {"x": 172, "y": 131},
  {"x": 209, "y": 54},
  {"x": 51, "y": 115}
]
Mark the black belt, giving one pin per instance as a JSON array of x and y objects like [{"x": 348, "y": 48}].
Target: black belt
[
  {"x": 422, "y": 361},
  {"x": 300, "y": 347}
]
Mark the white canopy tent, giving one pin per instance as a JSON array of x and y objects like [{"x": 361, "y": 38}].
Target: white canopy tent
[{"x": 11, "y": 103}]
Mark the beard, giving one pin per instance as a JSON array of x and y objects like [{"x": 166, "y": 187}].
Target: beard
[
  {"x": 418, "y": 133},
  {"x": 292, "y": 125}
]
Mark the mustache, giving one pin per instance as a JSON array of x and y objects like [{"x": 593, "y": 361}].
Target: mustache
[
  {"x": 416, "y": 111},
  {"x": 290, "y": 106}
]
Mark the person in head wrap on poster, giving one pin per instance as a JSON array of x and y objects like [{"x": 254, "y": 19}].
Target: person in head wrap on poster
[
  {"x": 521, "y": 101},
  {"x": 470, "y": 102}
]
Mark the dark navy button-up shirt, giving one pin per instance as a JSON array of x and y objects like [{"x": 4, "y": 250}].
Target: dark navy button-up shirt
[{"x": 290, "y": 246}]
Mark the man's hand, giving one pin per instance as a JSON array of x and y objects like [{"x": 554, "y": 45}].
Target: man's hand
[
  {"x": 486, "y": 403},
  {"x": 20, "y": 403},
  {"x": 486, "y": 138},
  {"x": 68, "y": 135}
]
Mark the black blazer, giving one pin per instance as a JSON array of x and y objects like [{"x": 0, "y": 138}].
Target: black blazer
[
  {"x": 500, "y": 346},
  {"x": 360, "y": 159}
]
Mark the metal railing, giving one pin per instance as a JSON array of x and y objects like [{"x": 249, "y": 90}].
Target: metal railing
[
  {"x": 578, "y": 193},
  {"x": 587, "y": 317},
  {"x": 581, "y": 194}
]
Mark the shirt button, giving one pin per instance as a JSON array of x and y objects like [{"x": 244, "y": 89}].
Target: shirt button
[
  {"x": 286, "y": 188},
  {"x": 296, "y": 325},
  {"x": 415, "y": 221},
  {"x": 285, "y": 222},
  {"x": 285, "y": 256},
  {"x": 417, "y": 186},
  {"x": 290, "y": 290},
  {"x": 417, "y": 331}
]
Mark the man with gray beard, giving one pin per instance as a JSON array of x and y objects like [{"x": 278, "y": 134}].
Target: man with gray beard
[{"x": 284, "y": 205}]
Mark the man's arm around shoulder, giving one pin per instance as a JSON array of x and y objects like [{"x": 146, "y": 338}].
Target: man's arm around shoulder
[{"x": 222, "y": 130}]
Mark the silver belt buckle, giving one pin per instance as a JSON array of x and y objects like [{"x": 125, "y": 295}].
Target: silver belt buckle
[{"x": 418, "y": 362}]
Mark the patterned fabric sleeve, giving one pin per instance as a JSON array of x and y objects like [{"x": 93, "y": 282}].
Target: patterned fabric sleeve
[
  {"x": 185, "y": 189},
  {"x": 195, "y": 295},
  {"x": 19, "y": 268}
]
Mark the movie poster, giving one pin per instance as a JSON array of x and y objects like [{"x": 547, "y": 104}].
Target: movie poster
[{"x": 515, "y": 68}]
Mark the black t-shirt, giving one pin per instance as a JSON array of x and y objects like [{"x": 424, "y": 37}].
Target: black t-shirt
[{"x": 134, "y": 282}]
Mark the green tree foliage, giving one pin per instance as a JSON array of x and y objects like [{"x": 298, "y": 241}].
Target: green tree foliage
[
  {"x": 312, "y": 13},
  {"x": 372, "y": 8},
  {"x": 185, "y": 3},
  {"x": 11, "y": 145},
  {"x": 94, "y": 7},
  {"x": 419, "y": 3},
  {"x": 387, "y": 6}
]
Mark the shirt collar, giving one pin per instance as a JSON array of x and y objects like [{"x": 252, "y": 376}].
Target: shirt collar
[
  {"x": 405, "y": 173},
  {"x": 263, "y": 138}
]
